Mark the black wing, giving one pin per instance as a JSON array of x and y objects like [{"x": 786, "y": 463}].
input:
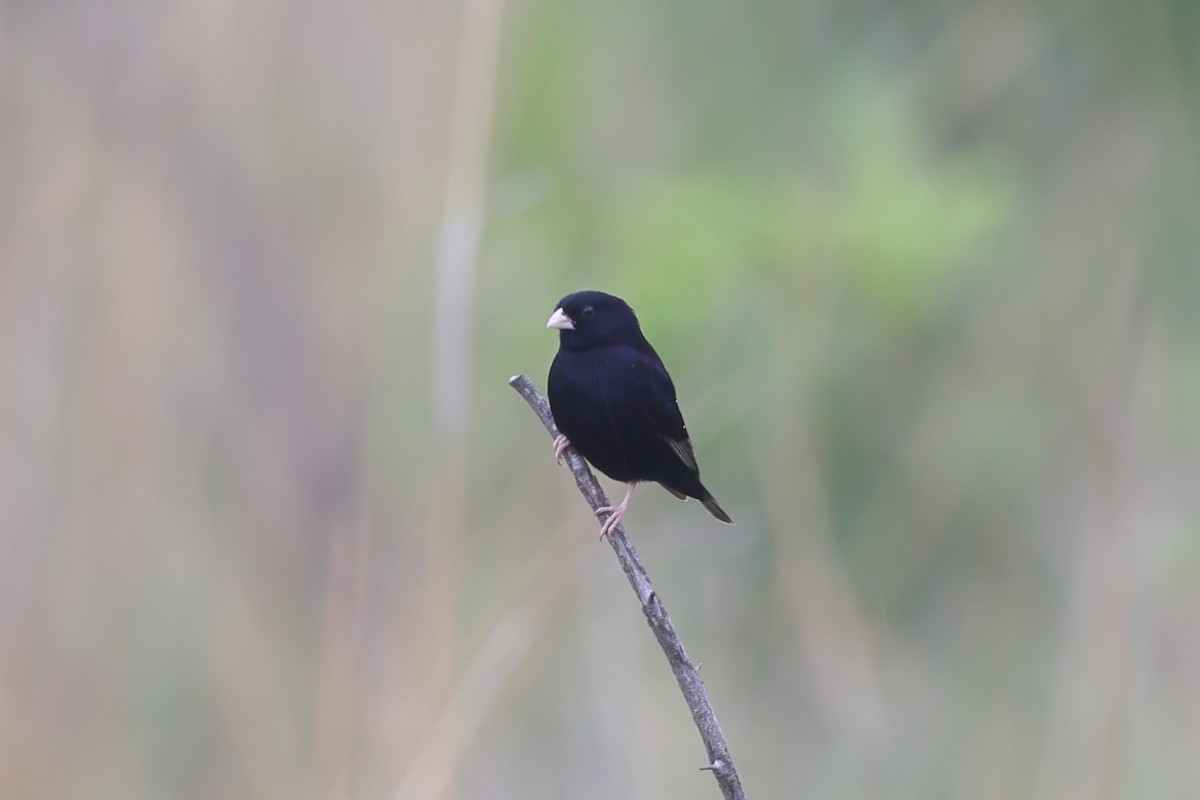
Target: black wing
[{"x": 656, "y": 395}]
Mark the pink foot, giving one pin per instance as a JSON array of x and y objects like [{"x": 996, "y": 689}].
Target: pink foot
[
  {"x": 560, "y": 444},
  {"x": 615, "y": 512}
]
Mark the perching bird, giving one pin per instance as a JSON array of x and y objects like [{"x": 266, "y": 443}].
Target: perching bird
[{"x": 614, "y": 402}]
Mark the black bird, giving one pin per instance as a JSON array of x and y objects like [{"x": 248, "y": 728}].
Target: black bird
[{"x": 614, "y": 402}]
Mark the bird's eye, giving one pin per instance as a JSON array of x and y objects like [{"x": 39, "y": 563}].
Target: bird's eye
[{"x": 588, "y": 311}]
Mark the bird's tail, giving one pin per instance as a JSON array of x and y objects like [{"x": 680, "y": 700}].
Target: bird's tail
[{"x": 710, "y": 503}]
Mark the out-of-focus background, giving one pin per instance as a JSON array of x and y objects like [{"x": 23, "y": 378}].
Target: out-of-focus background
[{"x": 926, "y": 275}]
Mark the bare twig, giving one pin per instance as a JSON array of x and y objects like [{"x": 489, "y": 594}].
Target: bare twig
[{"x": 687, "y": 674}]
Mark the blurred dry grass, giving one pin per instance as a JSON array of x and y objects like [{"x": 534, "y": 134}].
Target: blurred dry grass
[{"x": 925, "y": 273}]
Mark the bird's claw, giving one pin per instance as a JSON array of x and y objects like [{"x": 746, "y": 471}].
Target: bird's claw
[
  {"x": 615, "y": 512},
  {"x": 609, "y": 523},
  {"x": 561, "y": 443}
]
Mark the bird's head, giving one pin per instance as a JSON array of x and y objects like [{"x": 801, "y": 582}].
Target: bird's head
[{"x": 594, "y": 319}]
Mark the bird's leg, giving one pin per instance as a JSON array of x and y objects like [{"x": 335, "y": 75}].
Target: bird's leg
[
  {"x": 615, "y": 512},
  {"x": 560, "y": 444}
]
